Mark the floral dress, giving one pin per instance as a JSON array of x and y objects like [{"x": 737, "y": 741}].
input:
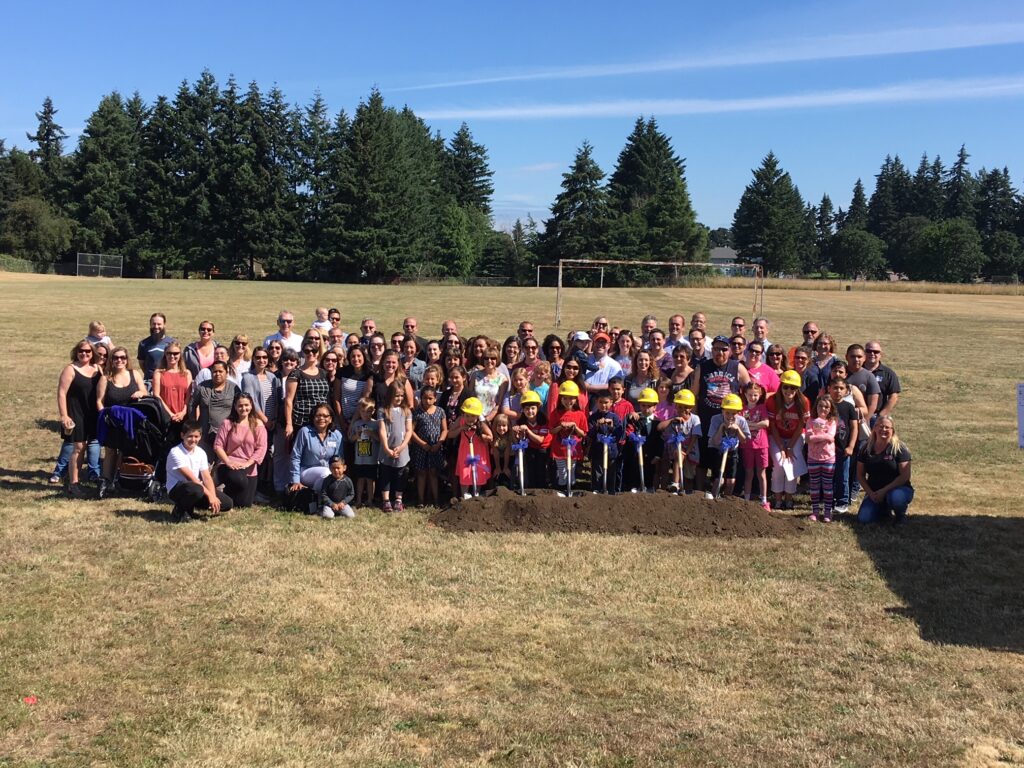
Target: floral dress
[{"x": 428, "y": 427}]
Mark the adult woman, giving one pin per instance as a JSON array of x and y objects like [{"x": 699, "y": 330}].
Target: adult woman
[
  {"x": 199, "y": 354},
  {"x": 819, "y": 371},
  {"x": 375, "y": 349},
  {"x": 352, "y": 340},
  {"x": 489, "y": 384},
  {"x": 570, "y": 372},
  {"x": 553, "y": 348},
  {"x": 100, "y": 354},
  {"x": 76, "y": 406},
  {"x": 531, "y": 355},
  {"x": 454, "y": 343},
  {"x": 119, "y": 385},
  {"x": 644, "y": 375},
  {"x": 211, "y": 404},
  {"x": 289, "y": 363},
  {"x": 625, "y": 345},
  {"x": 315, "y": 445},
  {"x": 661, "y": 357},
  {"x": 240, "y": 446},
  {"x": 305, "y": 389},
  {"x": 477, "y": 352},
  {"x": 412, "y": 366},
  {"x": 274, "y": 351},
  {"x": 775, "y": 358},
  {"x": 349, "y": 386},
  {"x": 379, "y": 383},
  {"x": 510, "y": 352},
  {"x": 240, "y": 355},
  {"x": 433, "y": 352},
  {"x": 264, "y": 389},
  {"x": 315, "y": 338},
  {"x": 172, "y": 383},
  {"x": 451, "y": 359},
  {"x": 220, "y": 355},
  {"x": 683, "y": 375},
  {"x": 760, "y": 372},
  {"x": 883, "y": 468},
  {"x": 329, "y": 364},
  {"x": 801, "y": 362}
]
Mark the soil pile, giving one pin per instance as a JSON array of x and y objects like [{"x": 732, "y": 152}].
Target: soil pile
[{"x": 656, "y": 514}]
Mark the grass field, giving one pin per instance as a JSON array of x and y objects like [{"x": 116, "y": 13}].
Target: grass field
[{"x": 265, "y": 638}]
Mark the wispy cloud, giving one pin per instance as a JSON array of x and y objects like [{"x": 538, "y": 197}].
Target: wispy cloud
[
  {"x": 882, "y": 43},
  {"x": 920, "y": 91},
  {"x": 537, "y": 168}
]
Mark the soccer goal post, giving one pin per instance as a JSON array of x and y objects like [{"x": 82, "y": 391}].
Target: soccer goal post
[
  {"x": 100, "y": 265},
  {"x": 746, "y": 270}
]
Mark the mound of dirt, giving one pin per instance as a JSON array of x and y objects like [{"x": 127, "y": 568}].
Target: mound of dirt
[{"x": 657, "y": 514}]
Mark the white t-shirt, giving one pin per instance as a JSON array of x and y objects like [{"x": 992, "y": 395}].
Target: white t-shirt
[
  {"x": 292, "y": 342},
  {"x": 178, "y": 458},
  {"x": 609, "y": 369}
]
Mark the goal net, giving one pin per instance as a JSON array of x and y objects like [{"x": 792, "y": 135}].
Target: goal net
[
  {"x": 100, "y": 265},
  {"x": 597, "y": 273}
]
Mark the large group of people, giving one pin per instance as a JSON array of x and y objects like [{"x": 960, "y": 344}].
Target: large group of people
[{"x": 333, "y": 421}]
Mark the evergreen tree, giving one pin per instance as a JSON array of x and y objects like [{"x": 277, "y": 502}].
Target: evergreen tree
[
  {"x": 947, "y": 251},
  {"x": 960, "y": 189},
  {"x": 891, "y": 200},
  {"x": 316, "y": 147},
  {"x": 927, "y": 197},
  {"x": 769, "y": 225},
  {"x": 31, "y": 229},
  {"x": 901, "y": 246},
  {"x": 857, "y": 253},
  {"x": 1005, "y": 254},
  {"x": 467, "y": 175},
  {"x": 579, "y": 220},
  {"x": 720, "y": 237},
  {"x": 996, "y": 203},
  {"x": 523, "y": 260},
  {"x": 824, "y": 231},
  {"x": 159, "y": 202},
  {"x": 856, "y": 216},
  {"x": 49, "y": 151}
]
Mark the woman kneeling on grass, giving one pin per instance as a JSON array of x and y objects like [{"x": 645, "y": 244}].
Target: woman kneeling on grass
[
  {"x": 189, "y": 482},
  {"x": 883, "y": 467}
]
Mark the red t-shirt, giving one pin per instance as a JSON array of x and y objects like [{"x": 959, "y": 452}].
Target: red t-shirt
[
  {"x": 579, "y": 418},
  {"x": 790, "y": 421}
]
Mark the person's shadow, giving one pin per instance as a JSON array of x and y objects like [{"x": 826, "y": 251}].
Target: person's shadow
[{"x": 961, "y": 577}]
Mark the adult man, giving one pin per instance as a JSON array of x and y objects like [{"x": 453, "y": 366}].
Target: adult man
[
  {"x": 676, "y": 333},
  {"x": 737, "y": 346},
  {"x": 336, "y": 339},
  {"x": 888, "y": 381},
  {"x": 648, "y": 324},
  {"x": 810, "y": 334},
  {"x": 698, "y": 343},
  {"x": 411, "y": 325},
  {"x": 151, "y": 349},
  {"x": 605, "y": 367},
  {"x": 334, "y": 317},
  {"x": 861, "y": 378},
  {"x": 189, "y": 482},
  {"x": 760, "y": 329},
  {"x": 285, "y": 323},
  {"x": 699, "y": 321},
  {"x": 719, "y": 377},
  {"x": 739, "y": 326},
  {"x": 396, "y": 341},
  {"x": 449, "y": 328},
  {"x": 368, "y": 328}
]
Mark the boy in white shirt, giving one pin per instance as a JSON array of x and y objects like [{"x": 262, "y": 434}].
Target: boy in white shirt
[{"x": 189, "y": 482}]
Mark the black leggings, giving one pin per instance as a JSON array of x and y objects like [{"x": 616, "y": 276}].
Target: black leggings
[
  {"x": 393, "y": 479},
  {"x": 238, "y": 485},
  {"x": 187, "y": 496}
]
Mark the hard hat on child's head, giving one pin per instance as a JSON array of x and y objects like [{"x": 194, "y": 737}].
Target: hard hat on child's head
[
  {"x": 790, "y": 378},
  {"x": 473, "y": 407},
  {"x": 684, "y": 397},
  {"x": 648, "y": 397},
  {"x": 568, "y": 389},
  {"x": 732, "y": 403},
  {"x": 529, "y": 398}
]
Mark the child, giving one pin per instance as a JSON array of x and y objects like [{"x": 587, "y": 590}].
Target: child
[
  {"x": 98, "y": 334},
  {"x": 683, "y": 428},
  {"x": 432, "y": 377},
  {"x": 532, "y": 427},
  {"x": 501, "y": 450},
  {"x": 520, "y": 384},
  {"x": 728, "y": 423},
  {"x": 820, "y": 435},
  {"x": 788, "y": 411},
  {"x": 473, "y": 435},
  {"x": 620, "y": 405},
  {"x": 430, "y": 428},
  {"x": 644, "y": 425},
  {"x": 189, "y": 482},
  {"x": 395, "y": 432},
  {"x": 322, "y": 323},
  {"x": 337, "y": 492},
  {"x": 665, "y": 408},
  {"x": 540, "y": 379},
  {"x": 755, "y": 450},
  {"x": 604, "y": 422},
  {"x": 847, "y": 436},
  {"x": 363, "y": 434},
  {"x": 567, "y": 421}
]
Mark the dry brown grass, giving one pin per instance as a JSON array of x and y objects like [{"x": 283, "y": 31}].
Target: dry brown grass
[{"x": 270, "y": 639}]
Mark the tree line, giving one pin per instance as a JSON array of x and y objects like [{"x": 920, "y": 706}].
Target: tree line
[
  {"x": 942, "y": 224},
  {"x": 240, "y": 183}
]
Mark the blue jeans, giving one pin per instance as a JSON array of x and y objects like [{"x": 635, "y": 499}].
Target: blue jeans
[
  {"x": 896, "y": 501},
  {"x": 92, "y": 458},
  {"x": 841, "y": 479}
]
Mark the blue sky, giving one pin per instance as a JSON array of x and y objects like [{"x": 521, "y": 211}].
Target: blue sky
[{"x": 831, "y": 88}]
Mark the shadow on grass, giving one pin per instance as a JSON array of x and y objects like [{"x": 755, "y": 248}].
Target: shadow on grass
[
  {"x": 960, "y": 576},
  {"x": 51, "y": 425},
  {"x": 150, "y": 515},
  {"x": 25, "y": 474}
]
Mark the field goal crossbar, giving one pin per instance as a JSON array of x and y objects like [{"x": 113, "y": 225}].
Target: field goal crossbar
[
  {"x": 99, "y": 265},
  {"x": 757, "y": 309}
]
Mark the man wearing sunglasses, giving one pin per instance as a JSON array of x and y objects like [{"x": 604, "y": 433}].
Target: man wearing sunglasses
[
  {"x": 888, "y": 381},
  {"x": 288, "y": 339}
]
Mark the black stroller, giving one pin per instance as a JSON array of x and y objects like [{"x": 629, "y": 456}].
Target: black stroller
[{"x": 142, "y": 433}]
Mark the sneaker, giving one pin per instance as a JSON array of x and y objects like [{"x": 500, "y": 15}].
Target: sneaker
[
  {"x": 827, "y": 518},
  {"x": 766, "y": 506},
  {"x": 399, "y": 506},
  {"x": 813, "y": 517},
  {"x": 104, "y": 488},
  {"x": 560, "y": 494},
  {"x": 673, "y": 487},
  {"x": 709, "y": 496},
  {"x": 634, "y": 490},
  {"x": 386, "y": 507},
  {"x": 181, "y": 516},
  {"x": 467, "y": 496},
  {"x": 75, "y": 491},
  {"x": 841, "y": 509},
  {"x": 54, "y": 480},
  {"x": 327, "y": 513}
]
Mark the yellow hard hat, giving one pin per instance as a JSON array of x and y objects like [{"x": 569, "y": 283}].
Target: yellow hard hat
[
  {"x": 732, "y": 403},
  {"x": 684, "y": 397},
  {"x": 473, "y": 407},
  {"x": 529, "y": 397},
  {"x": 790, "y": 378},
  {"x": 648, "y": 396},
  {"x": 568, "y": 389}
]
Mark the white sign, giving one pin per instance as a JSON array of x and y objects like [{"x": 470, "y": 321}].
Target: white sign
[{"x": 1020, "y": 415}]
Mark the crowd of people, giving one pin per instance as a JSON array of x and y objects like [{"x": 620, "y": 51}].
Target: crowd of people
[{"x": 332, "y": 421}]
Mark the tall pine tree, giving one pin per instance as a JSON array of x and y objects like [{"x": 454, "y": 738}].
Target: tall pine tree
[
  {"x": 49, "y": 152},
  {"x": 578, "y": 226}
]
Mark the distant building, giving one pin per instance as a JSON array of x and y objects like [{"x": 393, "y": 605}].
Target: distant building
[{"x": 723, "y": 255}]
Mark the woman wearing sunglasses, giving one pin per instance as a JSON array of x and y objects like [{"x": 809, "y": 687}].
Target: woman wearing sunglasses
[
  {"x": 199, "y": 354},
  {"x": 76, "y": 406},
  {"x": 172, "y": 383},
  {"x": 119, "y": 385}
]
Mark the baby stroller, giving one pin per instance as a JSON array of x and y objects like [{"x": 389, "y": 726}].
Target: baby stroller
[{"x": 140, "y": 431}]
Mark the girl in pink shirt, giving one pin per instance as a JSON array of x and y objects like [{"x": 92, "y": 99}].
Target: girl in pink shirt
[
  {"x": 240, "y": 446},
  {"x": 820, "y": 437}
]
